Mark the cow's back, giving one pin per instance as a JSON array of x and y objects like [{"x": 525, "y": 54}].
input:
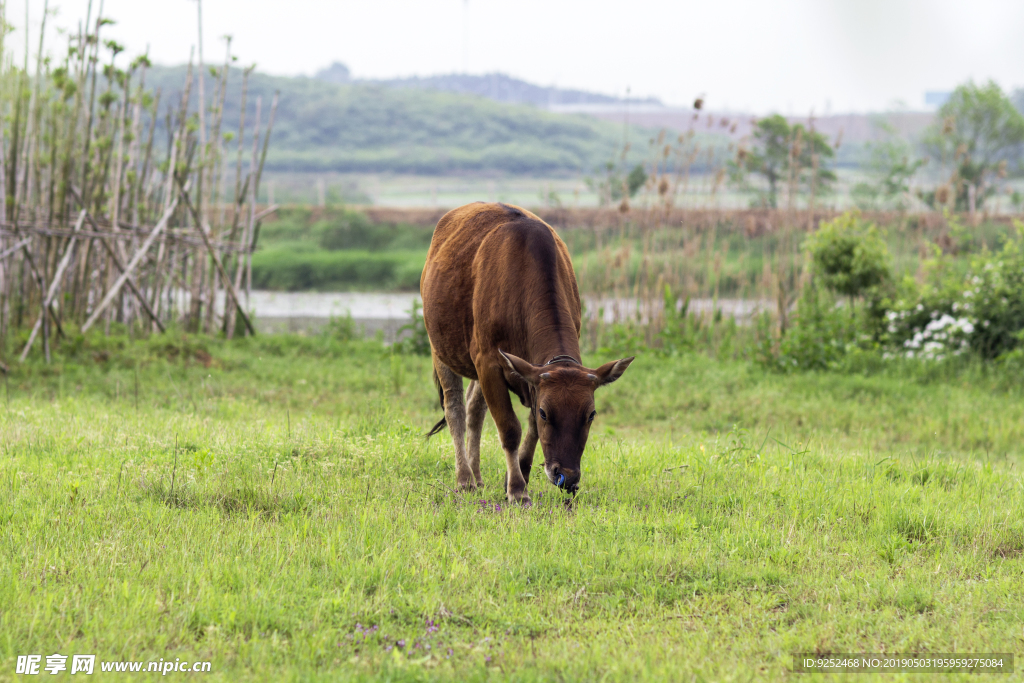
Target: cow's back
[{"x": 487, "y": 266}]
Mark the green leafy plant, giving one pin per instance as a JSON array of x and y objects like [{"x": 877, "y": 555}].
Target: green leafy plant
[
  {"x": 613, "y": 186},
  {"x": 849, "y": 256},
  {"x": 819, "y": 338},
  {"x": 341, "y": 328},
  {"x": 413, "y": 337}
]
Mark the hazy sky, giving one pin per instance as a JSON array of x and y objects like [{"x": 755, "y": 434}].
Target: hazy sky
[{"x": 750, "y": 55}]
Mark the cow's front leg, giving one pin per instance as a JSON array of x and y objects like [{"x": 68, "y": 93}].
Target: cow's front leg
[
  {"x": 495, "y": 390},
  {"x": 528, "y": 446}
]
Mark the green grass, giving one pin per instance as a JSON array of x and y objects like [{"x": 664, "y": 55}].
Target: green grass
[
  {"x": 301, "y": 268},
  {"x": 264, "y": 504}
]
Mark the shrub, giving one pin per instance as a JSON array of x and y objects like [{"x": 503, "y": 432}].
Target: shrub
[
  {"x": 851, "y": 258},
  {"x": 982, "y": 311},
  {"x": 348, "y": 230},
  {"x": 292, "y": 269},
  {"x": 821, "y": 335},
  {"x": 416, "y": 342}
]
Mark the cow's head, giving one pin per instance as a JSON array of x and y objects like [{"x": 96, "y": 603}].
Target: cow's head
[{"x": 563, "y": 407}]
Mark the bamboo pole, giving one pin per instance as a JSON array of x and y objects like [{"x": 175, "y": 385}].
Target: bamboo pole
[
  {"x": 251, "y": 229},
  {"x": 144, "y": 174},
  {"x": 37, "y": 275},
  {"x": 93, "y": 61},
  {"x": 216, "y": 167},
  {"x": 119, "y": 131},
  {"x": 51, "y": 293},
  {"x": 220, "y": 266}
]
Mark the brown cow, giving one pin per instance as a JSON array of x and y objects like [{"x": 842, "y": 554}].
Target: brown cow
[{"x": 502, "y": 308}]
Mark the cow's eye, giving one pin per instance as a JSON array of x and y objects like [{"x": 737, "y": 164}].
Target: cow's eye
[
  {"x": 543, "y": 415},
  {"x": 592, "y": 416}
]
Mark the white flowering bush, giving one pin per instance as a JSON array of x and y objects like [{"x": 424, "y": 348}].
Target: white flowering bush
[
  {"x": 981, "y": 312},
  {"x": 977, "y": 313},
  {"x": 941, "y": 336}
]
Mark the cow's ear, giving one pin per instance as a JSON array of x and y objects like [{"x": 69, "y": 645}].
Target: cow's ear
[
  {"x": 526, "y": 370},
  {"x": 609, "y": 372}
]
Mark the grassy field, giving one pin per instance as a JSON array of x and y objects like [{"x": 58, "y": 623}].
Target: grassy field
[{"x": 271, "y": 506}]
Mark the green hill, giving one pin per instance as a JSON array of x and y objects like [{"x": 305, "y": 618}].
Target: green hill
[{"x": 373, "y": 128}]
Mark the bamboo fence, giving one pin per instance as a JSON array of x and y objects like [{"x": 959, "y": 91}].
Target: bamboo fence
[{"x": 101, "y": 224}]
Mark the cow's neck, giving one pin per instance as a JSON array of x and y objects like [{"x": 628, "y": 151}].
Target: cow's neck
[
  {"x": 557, "y": 345},
  {"x": 551, "y": 329}
]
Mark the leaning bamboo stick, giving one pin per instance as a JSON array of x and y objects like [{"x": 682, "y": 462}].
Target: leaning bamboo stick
[
  {"x": 14, "y": 249},
  {"x": 130, "y": 282},
  {"x": 118, "y": 260},
  {"x": 116, "y": 288}
]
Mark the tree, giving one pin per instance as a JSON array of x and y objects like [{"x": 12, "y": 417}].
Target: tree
[
  {"x": 851, "y": 259},
  {"x": 981, "y": 133},
  {"x": 892, "y": 166},
  {"x": 786, "y": 154}
]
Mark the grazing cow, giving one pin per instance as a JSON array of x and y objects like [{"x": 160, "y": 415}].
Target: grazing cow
[{"x": 502, "y": 308}]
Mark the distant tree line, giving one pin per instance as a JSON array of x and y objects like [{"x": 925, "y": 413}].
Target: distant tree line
[
  {"x": 363, "y": 127},
  {"x": 976, "y": 144}
]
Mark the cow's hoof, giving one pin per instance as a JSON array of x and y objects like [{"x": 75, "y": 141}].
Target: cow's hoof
[
  {"x": 466, "y": 485},
  {"x": 521, "y": 497}
]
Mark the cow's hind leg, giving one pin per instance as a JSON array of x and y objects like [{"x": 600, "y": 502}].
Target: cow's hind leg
[
  {"x": 455, "y": 416},
  {"x": 476, "y": 411}
]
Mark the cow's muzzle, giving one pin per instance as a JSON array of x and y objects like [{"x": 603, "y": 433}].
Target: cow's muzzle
[{"x": 564, "y": 478}]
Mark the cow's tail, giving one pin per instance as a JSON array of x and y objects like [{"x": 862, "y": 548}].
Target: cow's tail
[{"x": 440, "y": 395}]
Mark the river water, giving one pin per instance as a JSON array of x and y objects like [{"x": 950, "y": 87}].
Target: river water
[{"x": 386, "y": 313}]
